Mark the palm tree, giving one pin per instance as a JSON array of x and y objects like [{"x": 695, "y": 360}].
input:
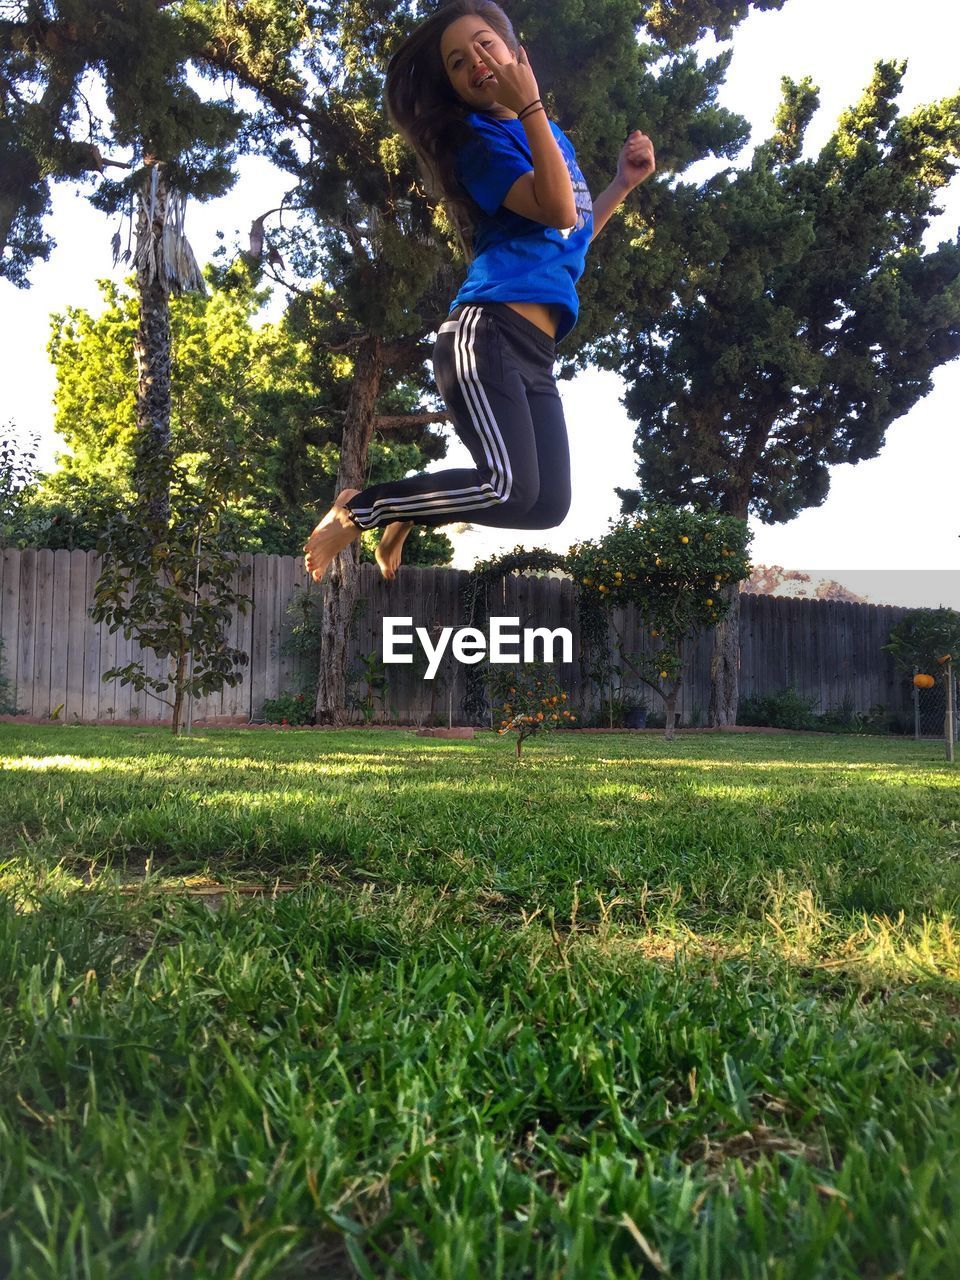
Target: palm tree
[{"x": 165, "y": 264}]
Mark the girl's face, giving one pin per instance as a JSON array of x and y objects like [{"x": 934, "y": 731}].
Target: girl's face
[{"x": 464, "y": 67}]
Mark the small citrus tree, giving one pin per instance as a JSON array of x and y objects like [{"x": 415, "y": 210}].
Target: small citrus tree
[
  {"x": 530, "y": 701},
  {"x": 672, "y": 566}
]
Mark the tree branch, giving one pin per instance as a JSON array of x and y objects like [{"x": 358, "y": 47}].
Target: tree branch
[{"x": 389, "y": 421}]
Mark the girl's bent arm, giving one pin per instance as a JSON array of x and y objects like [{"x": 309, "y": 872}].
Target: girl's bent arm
[
  {"x": 552, "y": 189},
  {"x": 606, "y": 203},
  {"x": 635, "y": 165}
]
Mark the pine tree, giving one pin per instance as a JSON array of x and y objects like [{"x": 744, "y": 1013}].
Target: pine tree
[{"x": 798, "y": 315}]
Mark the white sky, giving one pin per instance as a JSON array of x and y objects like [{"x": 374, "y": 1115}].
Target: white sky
[{"x": 889, "y": 528}]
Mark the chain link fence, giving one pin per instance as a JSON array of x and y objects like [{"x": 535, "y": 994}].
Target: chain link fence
[{"x": 930, "y": 710}]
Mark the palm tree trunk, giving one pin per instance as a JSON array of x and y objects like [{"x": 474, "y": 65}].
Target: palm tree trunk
[
  {"x": 342, "y": 580},
  {"x": 165, "y": 263},
  {"x": 152, "y": 350}
]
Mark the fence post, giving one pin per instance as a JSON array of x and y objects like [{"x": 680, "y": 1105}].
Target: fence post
[
  {"x": 948, "y": 716},
  {"x": 916, "y": 710}
]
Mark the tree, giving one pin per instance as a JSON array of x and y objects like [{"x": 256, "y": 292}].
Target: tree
[
  {"x": 672, "y": 566},
  {"x": 263, "y": 392},
  {"x": 17, "y": 462},
  {"x": 175, "y": 593},
  {"x": 798, "y": 316},
  {"x": 925, "y": 639}
]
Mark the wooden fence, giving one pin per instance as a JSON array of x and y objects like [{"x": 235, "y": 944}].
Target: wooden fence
[{"x": 54, "y": 655}]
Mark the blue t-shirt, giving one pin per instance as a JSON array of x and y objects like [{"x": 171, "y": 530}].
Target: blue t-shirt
[{"x": 517, "y": 259}]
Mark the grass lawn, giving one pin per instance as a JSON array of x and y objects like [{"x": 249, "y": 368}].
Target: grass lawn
[{"x": 627, "y": 1008}]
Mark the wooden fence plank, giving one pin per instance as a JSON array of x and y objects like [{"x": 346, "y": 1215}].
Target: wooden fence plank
[
  {"x": 260, "y": 631},
  {"x": 77, "y": 629},
  {"x": 90, "y": 706},
  {"x": 43, "y": 642},
  {"x": 10, "y": 619},
  {"x": 28, "y": 630},
  {"x": 243, "y": 691},
  {"x": 275, "y": 606},
  {"x": 60, "y": 615},
  {"x": 286, "y": 661}
]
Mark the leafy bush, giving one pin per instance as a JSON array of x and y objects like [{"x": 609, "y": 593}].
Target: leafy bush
[
  {"x": 788, "y": 709},
  {"x": 294, "y": 708},
  {"x": 367, "y": 682},
  {"x": 842, "y": 718}
]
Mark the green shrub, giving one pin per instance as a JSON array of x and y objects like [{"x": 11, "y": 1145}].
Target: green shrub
[
  {"x": 788, "y": 709},
  {"x": 842, "y": 718},
  {"x": 294, "y": 708}
]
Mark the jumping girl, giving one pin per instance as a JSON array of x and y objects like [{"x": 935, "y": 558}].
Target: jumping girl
[{"x": 462, "y": 93}]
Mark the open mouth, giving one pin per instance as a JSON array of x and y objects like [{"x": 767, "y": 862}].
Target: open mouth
[{"x": 483, "y": 80}]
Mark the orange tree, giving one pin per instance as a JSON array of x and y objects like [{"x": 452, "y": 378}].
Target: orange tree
[
  {"x": 530, "y": 701},
  {"x": 925, "y": 639},
  {"x": 672, "y": 565},
  {"x": 928, "y": 641}
]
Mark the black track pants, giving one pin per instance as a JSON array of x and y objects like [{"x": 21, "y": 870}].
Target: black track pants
[{"x": 494, "y": 369}]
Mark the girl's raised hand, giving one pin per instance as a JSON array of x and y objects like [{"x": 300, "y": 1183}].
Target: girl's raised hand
[
  {"x": 515, "y": 86},
  {"x": 637, "y": 161}
]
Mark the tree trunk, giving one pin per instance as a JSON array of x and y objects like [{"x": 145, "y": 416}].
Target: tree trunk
[
  {"x": 178, "y": 685},
  {"x": 670, "y": 705},
  {"x": 342, "y": 580},
  {"x": 725, "y": 660},
  {"x": 152, "y": 349},
  {"x": 725, "y": 664}
]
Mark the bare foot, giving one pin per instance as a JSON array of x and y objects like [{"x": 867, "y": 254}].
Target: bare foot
[
  {"x": 332, "y": 535},
  {"x": 390, "y": 548}
]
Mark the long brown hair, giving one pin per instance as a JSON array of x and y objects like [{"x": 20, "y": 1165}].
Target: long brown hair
[{"x": 425, "y": 109}]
